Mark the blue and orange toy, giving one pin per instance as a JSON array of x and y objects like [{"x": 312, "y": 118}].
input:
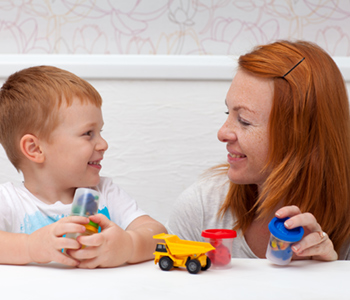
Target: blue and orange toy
[{"x": 279, "y": 249}]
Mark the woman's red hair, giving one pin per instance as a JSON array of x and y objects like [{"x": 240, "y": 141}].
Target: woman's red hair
[{"x": 309, "y": 144}]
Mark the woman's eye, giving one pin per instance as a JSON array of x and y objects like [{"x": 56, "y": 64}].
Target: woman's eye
[
  {"x": 226, "y": 112},
  {"x": 243, "y": 122}
]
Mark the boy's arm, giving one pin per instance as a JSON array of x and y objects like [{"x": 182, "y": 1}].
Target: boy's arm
[
  {"x": 142, "y": 231},
  {"x": 43, "y": 245},
  {"x": 14, "y": 249}
]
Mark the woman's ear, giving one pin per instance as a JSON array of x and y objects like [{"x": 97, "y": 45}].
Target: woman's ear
[{"x": 30, "y": 147}]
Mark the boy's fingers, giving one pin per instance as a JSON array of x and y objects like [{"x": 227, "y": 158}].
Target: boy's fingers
[
  {"x": 65, "y": 228},
  {"x": 101, "y": 220},
  {"x": 66, "y": 260},
  {"x": 89, "y": 264},
  {"x": 91, "y": 240},
  {"x": 75, "y": 219},
  {"x": 83, "y": 254},
  {"x": 68, "y": 243}
]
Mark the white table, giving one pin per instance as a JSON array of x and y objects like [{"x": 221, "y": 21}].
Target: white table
[{"x": 246, "y": 279}]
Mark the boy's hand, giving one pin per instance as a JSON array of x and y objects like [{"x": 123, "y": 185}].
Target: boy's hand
[
  {"x": 110, "y": 248},
  {"x": 46, "y": 244},
  {"x": 115, "y": 246}
]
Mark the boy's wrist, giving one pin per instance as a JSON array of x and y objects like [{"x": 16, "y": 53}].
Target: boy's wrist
[
  {"x": 24, "y": 249},
  {"x": 29, "y": 247},
  {"x": 130, "y": 246}
]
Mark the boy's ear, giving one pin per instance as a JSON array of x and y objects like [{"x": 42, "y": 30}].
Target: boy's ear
[{"x": 30, "y": 147}]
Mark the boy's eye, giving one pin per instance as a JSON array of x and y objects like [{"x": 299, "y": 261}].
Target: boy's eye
[{"x": 88, "y": 133}]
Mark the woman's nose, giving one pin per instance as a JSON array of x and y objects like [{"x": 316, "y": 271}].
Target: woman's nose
[{"x": 226, "y": 133}]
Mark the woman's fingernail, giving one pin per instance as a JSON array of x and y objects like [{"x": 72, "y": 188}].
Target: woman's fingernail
[
  {"x": 322, "y": 234},
  {"x": 296, "y": 247},
  {"x": 288, "y": 223}
]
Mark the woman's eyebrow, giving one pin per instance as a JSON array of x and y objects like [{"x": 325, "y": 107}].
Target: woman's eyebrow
[{"x": 237, "y": 108}]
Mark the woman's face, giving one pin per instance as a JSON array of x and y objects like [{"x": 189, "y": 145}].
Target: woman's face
[{"x": 245, "y": 132}]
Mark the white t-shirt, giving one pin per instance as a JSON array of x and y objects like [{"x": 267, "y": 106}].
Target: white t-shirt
[
  {"x": 22, "y": 212},
  {"x": 196, "y": 210}
]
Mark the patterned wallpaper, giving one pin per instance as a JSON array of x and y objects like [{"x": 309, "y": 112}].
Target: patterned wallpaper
[{"x": 176, "y": 27}]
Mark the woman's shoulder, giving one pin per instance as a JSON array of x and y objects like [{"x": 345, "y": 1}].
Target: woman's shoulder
[
  {"x": 215, "y": 185},
  {"x": 207, "y": 191},
  {"x": 197, "y": 207}
]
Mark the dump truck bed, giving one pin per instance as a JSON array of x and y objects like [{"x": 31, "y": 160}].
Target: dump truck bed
[{"x": 181, "y": 247}]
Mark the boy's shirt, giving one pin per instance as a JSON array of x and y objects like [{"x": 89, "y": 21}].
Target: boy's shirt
[{"x": 22, "y": 212}]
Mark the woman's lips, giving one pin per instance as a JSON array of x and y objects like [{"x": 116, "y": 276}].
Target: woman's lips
[{"x": 234, "y": 157}]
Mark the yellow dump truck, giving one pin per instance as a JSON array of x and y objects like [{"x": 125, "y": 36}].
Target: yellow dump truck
[{"x": 181, "y": 253}]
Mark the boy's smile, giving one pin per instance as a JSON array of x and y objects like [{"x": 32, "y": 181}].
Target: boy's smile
[{"x": 95, "y": 164}]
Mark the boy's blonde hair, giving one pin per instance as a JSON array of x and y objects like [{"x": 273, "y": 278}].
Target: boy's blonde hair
[{"x": 29, "y": 103}]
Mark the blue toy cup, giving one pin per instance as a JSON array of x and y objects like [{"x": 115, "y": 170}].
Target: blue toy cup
[
  {"x": 279, "y": 250},
  {"x": 85, "y": 202}
]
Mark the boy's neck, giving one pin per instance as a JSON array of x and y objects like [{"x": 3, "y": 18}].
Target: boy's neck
[
  {"x": 49, "y": 194},
  {"x": 44, "y": 187}
]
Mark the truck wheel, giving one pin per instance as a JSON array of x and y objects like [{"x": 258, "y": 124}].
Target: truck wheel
[
  {"x": 165, "y": 263},
  {"x": 208, "y": 265},
  {"x": 193, "y": 266}
]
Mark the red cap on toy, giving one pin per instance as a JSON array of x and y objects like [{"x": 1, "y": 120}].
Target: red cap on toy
[{"x": 219, "y": 233}]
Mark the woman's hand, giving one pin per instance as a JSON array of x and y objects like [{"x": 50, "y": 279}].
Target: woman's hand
[{"x": 315, "y": 242}]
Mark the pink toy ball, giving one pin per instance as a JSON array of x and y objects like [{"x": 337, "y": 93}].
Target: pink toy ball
[{"x": 222, "y": 240}]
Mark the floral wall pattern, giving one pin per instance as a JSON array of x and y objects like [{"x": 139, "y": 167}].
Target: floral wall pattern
[{"x": 170, "y": 27}]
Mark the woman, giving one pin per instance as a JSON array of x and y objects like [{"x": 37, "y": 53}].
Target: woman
[{"x": 288, "y": 142}]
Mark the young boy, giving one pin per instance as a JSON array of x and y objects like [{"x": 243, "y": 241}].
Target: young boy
[{"x": 50, "y": 127}]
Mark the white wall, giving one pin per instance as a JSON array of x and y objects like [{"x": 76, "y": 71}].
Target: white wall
[
  {"x": 161, "y": 133},
  {"x": 162, "y": 137}
]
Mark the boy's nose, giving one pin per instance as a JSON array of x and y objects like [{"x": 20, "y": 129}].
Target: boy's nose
[{"x": 102, "y": 145}]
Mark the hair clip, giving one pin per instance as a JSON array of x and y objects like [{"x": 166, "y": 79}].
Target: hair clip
[{"x": 294, "y": 67}]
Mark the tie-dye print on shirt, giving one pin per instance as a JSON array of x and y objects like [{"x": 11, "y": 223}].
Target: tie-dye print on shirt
[
  {"x": 22, "y": 212},
  {"x": 37, "y": 220}
]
